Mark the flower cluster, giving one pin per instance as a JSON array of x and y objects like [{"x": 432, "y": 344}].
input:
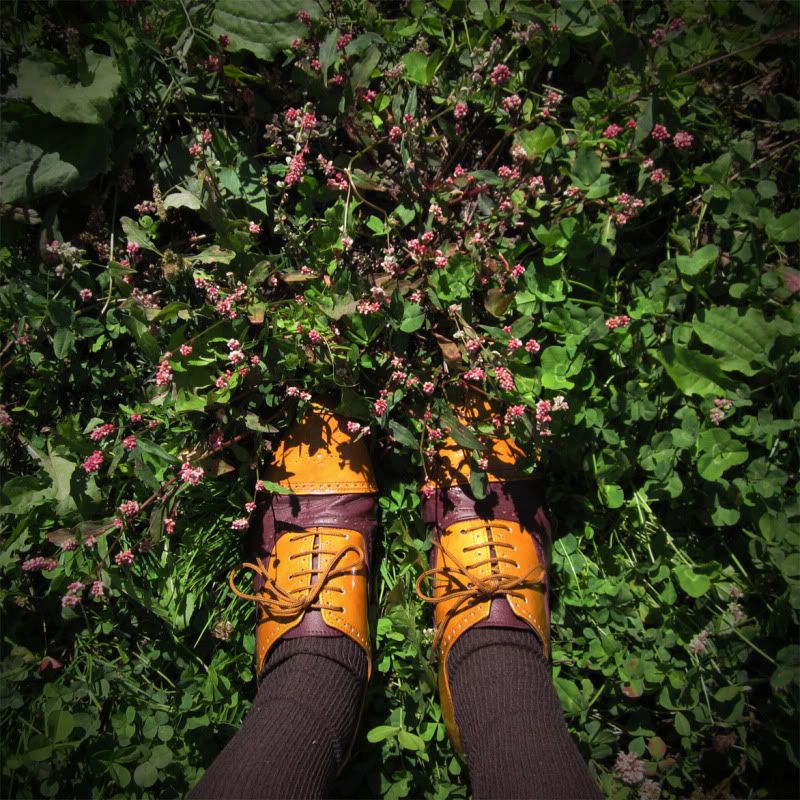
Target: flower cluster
[
  {"x": 191, "y": 475},
  {"x": 39, "y": 563},
  {"x": 102, "y": 432},
  {"x": 93, "y": 462},
  {"x": 620, "y": 321},
  {"x": 73, "y": 596}
]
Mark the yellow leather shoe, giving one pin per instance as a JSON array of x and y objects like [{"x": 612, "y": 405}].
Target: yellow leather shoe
[
  {"x": 313, "y": 547},
  {"x": 489, "y": 560}
]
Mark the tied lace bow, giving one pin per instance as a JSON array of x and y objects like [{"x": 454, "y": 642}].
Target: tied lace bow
[
  {"x": 475, "y": 588},
  {"x": 282, "y": 603}
]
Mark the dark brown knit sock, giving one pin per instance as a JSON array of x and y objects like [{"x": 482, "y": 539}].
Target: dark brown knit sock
[
  {"x": 512, "y": 727},
  {"x": 296, "y": 736}
]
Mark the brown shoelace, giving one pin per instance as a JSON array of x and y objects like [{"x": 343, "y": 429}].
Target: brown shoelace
[
  {"x": 472, "y": 588},
  {"x": 284, "y": 603}
]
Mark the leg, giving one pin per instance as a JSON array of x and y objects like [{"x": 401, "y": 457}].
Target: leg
[
  {"x": 295, "y": 739},
  {"x": 512, "y": 727}
]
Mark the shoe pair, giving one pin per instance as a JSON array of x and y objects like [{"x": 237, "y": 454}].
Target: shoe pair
[{"x": 313, "y": 547}]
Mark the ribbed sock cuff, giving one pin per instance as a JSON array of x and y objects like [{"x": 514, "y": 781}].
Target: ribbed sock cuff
[
  {"x": 298, "y": 733},
  {"x": 511, "y": 723}
]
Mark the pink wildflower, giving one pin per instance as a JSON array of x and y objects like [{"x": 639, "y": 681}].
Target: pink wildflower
[
  {"x": 649, "y": 790},
  {"x": 612, "y": 131},
  {"x": 428, "y": 387},
  {"x": 124, "y": 558},
  {"x": 314, "y": 337},
  {"x": 683, "y": 140},
  {"x": 500, "y": 75},
  {"x": 250, "y": 507},
  {"x": 658, "y": 176},
  {"x": 511, "y": 103},
  {"x": 102, "y": 431},
  {"x": 224, "y": 40},
  {"x": 532, "y": 346},
  {"x": 514, "y": 345},
  {"x": 505, "y": 379},
  {"x": 460, "y": 111},
  {"x": 629, "y": 768},
  {"x": 69, "y": 544},
  {"x": 381, "y": 407},
  {"x": 240, "y": 524},
  {"x": 93, "y": 462},
  {"x": 129, "y": 442},
  {"x": 163, "y": 374},
  {"x": 190, "y": 474},
  {"x": 185, "y": 350},
  {"x": 621, "y": 321},
  {"x": 136, "y": 417},
  {"x": 98, "y": 589},
  {"x": 85, "y": 294},
  {"x": 660, "y": 133},
  {"x": 395, "y": 134},
  {"x": 254, "y": 228},
  {"x": 260, "y": 487},
  {"x": 130, "y": 508},
  {"x": 169, "y": 525},
  {"x": 698, "y": 643},
  {"x": 475, "y": 374}
]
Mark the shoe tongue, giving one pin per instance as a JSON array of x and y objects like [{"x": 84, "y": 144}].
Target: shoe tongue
[
  {"x": 281, "y": 514},
  {"x": 518, "y": 501}
]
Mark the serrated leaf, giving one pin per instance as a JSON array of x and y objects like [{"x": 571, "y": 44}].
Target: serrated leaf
[
  {"x": 693, "y": 372},
  {"x": 53, "y": 92},
  {"x": 263, "y": 28},
  {"x": 743, "y": 339},
  {"x": 183, "y": 199},
  {"x": 44, "y": 164}
]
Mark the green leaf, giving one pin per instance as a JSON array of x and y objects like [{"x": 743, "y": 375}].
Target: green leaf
[
  {"x": 420, "y": 68},
  {"x": 478, "y": 483},
  {"x": 693, "y": 584},
  {"x": 363, "y": 69},
  {"x": 276, "y": 488},
  {"x": 403, "y": 435},
  {"x": 39, "y": 749},
  {"x": 63, "y": 342},
  {"x": 410, "y": 741},
  {"x": 45, "y": 163},
  {"x": 413, "y": 318},
  {"x": 698, "y": 261},
  {"x": 720, "y": 451},
  {"x": 382, "y": 732},
  {"x": 264, "y": 29},
  {"x": 327, "y": 50},
  {"x": 693, "y": 372},
  {"x": 145, "y": 775},
  {"x": 134, "y": 232},
  {"x": 60, "y": 724},
  {"x": 786, "y": 228},
  {"x": 682, "y": 726},
  {"x": 743, "y": 339},
  {"x": 183, "y": 199},
  {"x": 587, "y": 167},
  {"x": 214, "y": 255},
  {"x": 161, "y": 756},
  {"x": 53, "y": 92},
  {"x": 537, "y": 142}
]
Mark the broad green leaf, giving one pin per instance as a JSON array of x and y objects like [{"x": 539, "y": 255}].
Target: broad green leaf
[
  {"x": 410, "y": 741},
  {"x": 262, "y": 28},
  {"x": 60, "y": 724},
  {"x": 719, "y": 452},
  {"x": 403, "y": 435},
  {"x": 53, "y": 92},
  {"x": 682, "y": 726},
  {"x": 63, "y": 342},
  {"x": 363, "y": 69},
  {"x": 743, "y": 339},
  {"x": 145, "y": 775},
  {"x": 214, "y": 255},
  {"x": 693, "y": 372},
  {"x": 693, "y": 584},
  {"x": 698, "y": 261},
  {"x": 327, "y": 50},
  {"x": 39, "y": 749},
  {"x": 558, "y": 366},
  {"x": 413, "y": 318},
  {"x": 420, "y": 68},
  {"x": 382, "y": 732},
  {"x": 275, "y": 488},
  {"x": 23, "y": 493},
  {"x": 587, "y": 167},
  {"x": 786, "y": 228},
  {"x": 182, "y": 199},
  {"x": 44, "y": 164},
  {"x": 537, "y": 142},
  {"x": 134, "y": 232}
]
